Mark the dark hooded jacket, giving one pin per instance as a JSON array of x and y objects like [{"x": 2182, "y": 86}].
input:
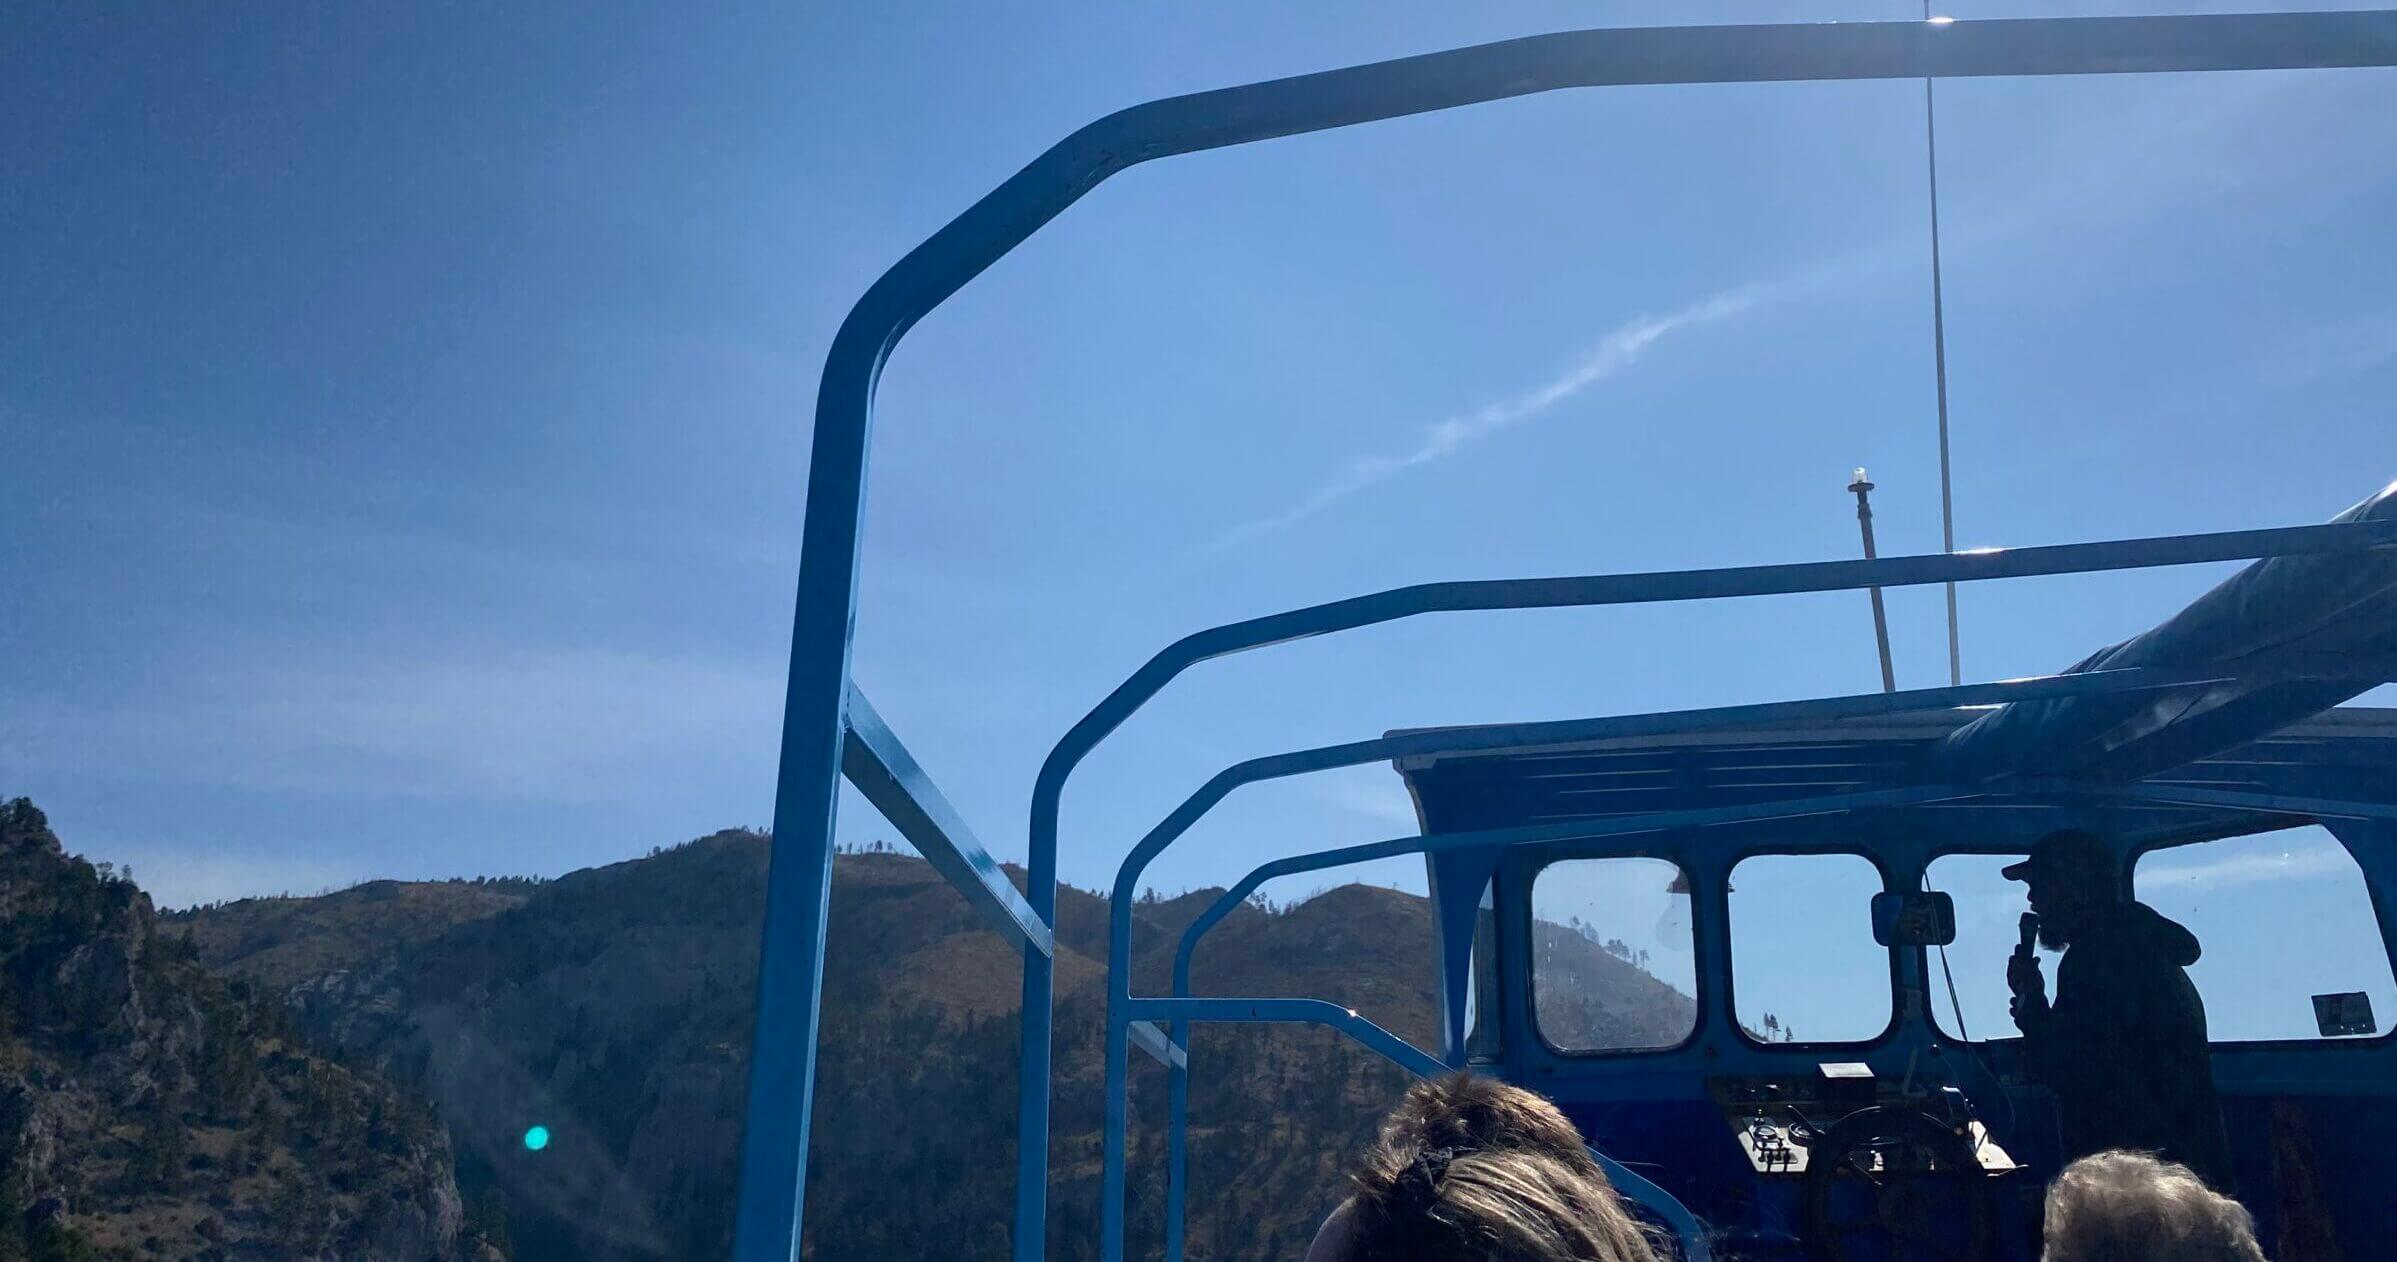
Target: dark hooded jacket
[{"x": 2124, "y": 1045}]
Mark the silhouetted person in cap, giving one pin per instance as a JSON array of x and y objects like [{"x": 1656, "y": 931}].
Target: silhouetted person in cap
[{"x": 2123, "y": 1045}]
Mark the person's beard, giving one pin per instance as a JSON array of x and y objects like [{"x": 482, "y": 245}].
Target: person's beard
[{"x": 2055, "y": 933}]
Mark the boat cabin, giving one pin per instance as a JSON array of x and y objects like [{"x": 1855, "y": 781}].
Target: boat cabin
[{"x": 1757, "y": 1003}]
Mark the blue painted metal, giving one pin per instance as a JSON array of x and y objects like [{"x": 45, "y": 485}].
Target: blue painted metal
[
  {"x": 1321, "y": 1012},
  {"x": 887, "y": 775},
  {"x": 2336, "y": 606},
  {"x": 1530, "y": 834},
  {"x": 790, "y": 965},
  {"x": 1148, "y": 1038},
  {"x": 1663, "y": 723},
  {"x": 1405, "y": 602},
  {"x": 1492, "y": 594},
  {"x": 1684, "y": 1225},
  {"x": 774, "y": 1148},
  {"x": 1124, "y": 1008},
  {"x": 1500, "y": 737},
  {"x": 1398, "y": 603},
  {"x": 1482, "y": 846},
  {"x": 2373, "y": 845},
  {"x": 1457, "y": 880},
  {"x": 1112, "y": 1127},
  {"x": 1905, "y": 842},
  {"x": 1597, "y": 778},
  {"x": 1479, "y": 849},
  {"x": 2232, "y": 799},
  {"x": 1177, "y": 1141}
]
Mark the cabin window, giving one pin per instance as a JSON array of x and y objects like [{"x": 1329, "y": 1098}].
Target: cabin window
[
  {"x": 1612, "y": 967},
  {"x": 1967, "y": 978},
  {"x": 1804, "y": 966},
  {"x": 2281, "y": 917}
]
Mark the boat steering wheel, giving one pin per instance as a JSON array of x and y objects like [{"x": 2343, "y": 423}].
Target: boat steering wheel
[{"x": 1923, "y": 1193}]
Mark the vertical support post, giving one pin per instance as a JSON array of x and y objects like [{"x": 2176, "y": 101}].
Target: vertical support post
[
  {"x": 790, "y": 966},
  {"x": 1709, "y": 881},
  {"x": 1177, "y": 1134},
  {"x": 1863, "y": 488},
  {"x": 1032, "y": 1057},
  {"x": 2373, "y": 845},
  {"x": 1112, "y": 1141},
  {"x": 1459, "y": 879}
]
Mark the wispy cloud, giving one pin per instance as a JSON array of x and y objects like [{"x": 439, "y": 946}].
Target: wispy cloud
[
  {"x": 1610, "y": 355},
  {"x": 2336, "y": 351},
  {"x": 1369, "y": 793},
  {"x": 2185, "y": 141}
]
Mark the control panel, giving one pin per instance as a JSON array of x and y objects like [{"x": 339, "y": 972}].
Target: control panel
[{"x": 1777, "y": 1119}]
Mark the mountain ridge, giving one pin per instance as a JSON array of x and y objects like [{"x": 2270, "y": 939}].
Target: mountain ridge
[{"x": 611, "y": 1006}]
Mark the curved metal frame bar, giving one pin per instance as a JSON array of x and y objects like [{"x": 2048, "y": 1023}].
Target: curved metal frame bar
[
  {"x": 1589, "y": 591},
  {"x": 2278, "y": 666},
  {"x": 1675, "y": 722},
  {"x": 1187, "y": 1011},
  {"x": 2227, "y": 799},
  {"x": 1124, "y": 1008},
  {"x": 1664, "y": 1204},
  {"x": 1279, "y": 627},
  {"x": 1180, "y": 1012},
  {"x": 790, "y": 978}
]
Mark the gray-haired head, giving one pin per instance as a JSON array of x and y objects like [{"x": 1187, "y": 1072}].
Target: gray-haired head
[{"x": 2131, "y": 1207}]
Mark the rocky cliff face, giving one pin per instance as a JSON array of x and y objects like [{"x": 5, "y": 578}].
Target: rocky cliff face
[{"x": 149, "y": 1108}]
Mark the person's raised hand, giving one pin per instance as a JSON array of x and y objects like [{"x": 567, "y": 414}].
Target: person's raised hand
[
  {"x": 2024, "y": 978},
  {"x": 2030, "y": 990}
]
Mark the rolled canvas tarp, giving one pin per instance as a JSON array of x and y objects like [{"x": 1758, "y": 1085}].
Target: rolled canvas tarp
[{"x": 2330, "y": 604}]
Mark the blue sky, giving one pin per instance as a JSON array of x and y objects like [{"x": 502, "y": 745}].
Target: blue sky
[{"x": 405, "y": 409}]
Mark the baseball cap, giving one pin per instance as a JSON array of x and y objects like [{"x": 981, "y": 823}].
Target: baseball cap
[{"x": 2064, "y": 854}]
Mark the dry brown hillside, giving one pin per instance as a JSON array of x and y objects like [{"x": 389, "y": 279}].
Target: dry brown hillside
[
  {"x": 612, "y": 1006},
  {"x": 281, "y": 942}
]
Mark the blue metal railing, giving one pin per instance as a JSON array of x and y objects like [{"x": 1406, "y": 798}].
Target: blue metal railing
[
  {"x": 1486, "y": 595},
  {"x": 1172, "y": 1050},
  {"x": 822, "y": 717},
  {"x": 1126, "y": 1007},
  {"x": 2282, "y": 666},
  {"x": 1600, "y": 590},
  {"x": 875, "y": 760},
  {"x": 2311, "y": 808},
  {"x": 1186, "y": 1011},
  {"x": 887, "y": 776}
]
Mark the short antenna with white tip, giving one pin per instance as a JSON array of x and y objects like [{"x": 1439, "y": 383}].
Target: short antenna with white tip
[{"x": 1863, "y": 487}]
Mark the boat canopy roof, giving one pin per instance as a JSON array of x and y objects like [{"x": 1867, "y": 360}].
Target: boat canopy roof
[
  {"x": 2291, "y": 637},
  {"x": 2286, "y": 625},
  {"x": 2345, "y": 754}
]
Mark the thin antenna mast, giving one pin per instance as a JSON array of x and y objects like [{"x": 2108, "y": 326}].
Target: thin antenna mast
[
  {"x": 1939, "y": 358},
  {"x": 1863, "y": 487}
]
